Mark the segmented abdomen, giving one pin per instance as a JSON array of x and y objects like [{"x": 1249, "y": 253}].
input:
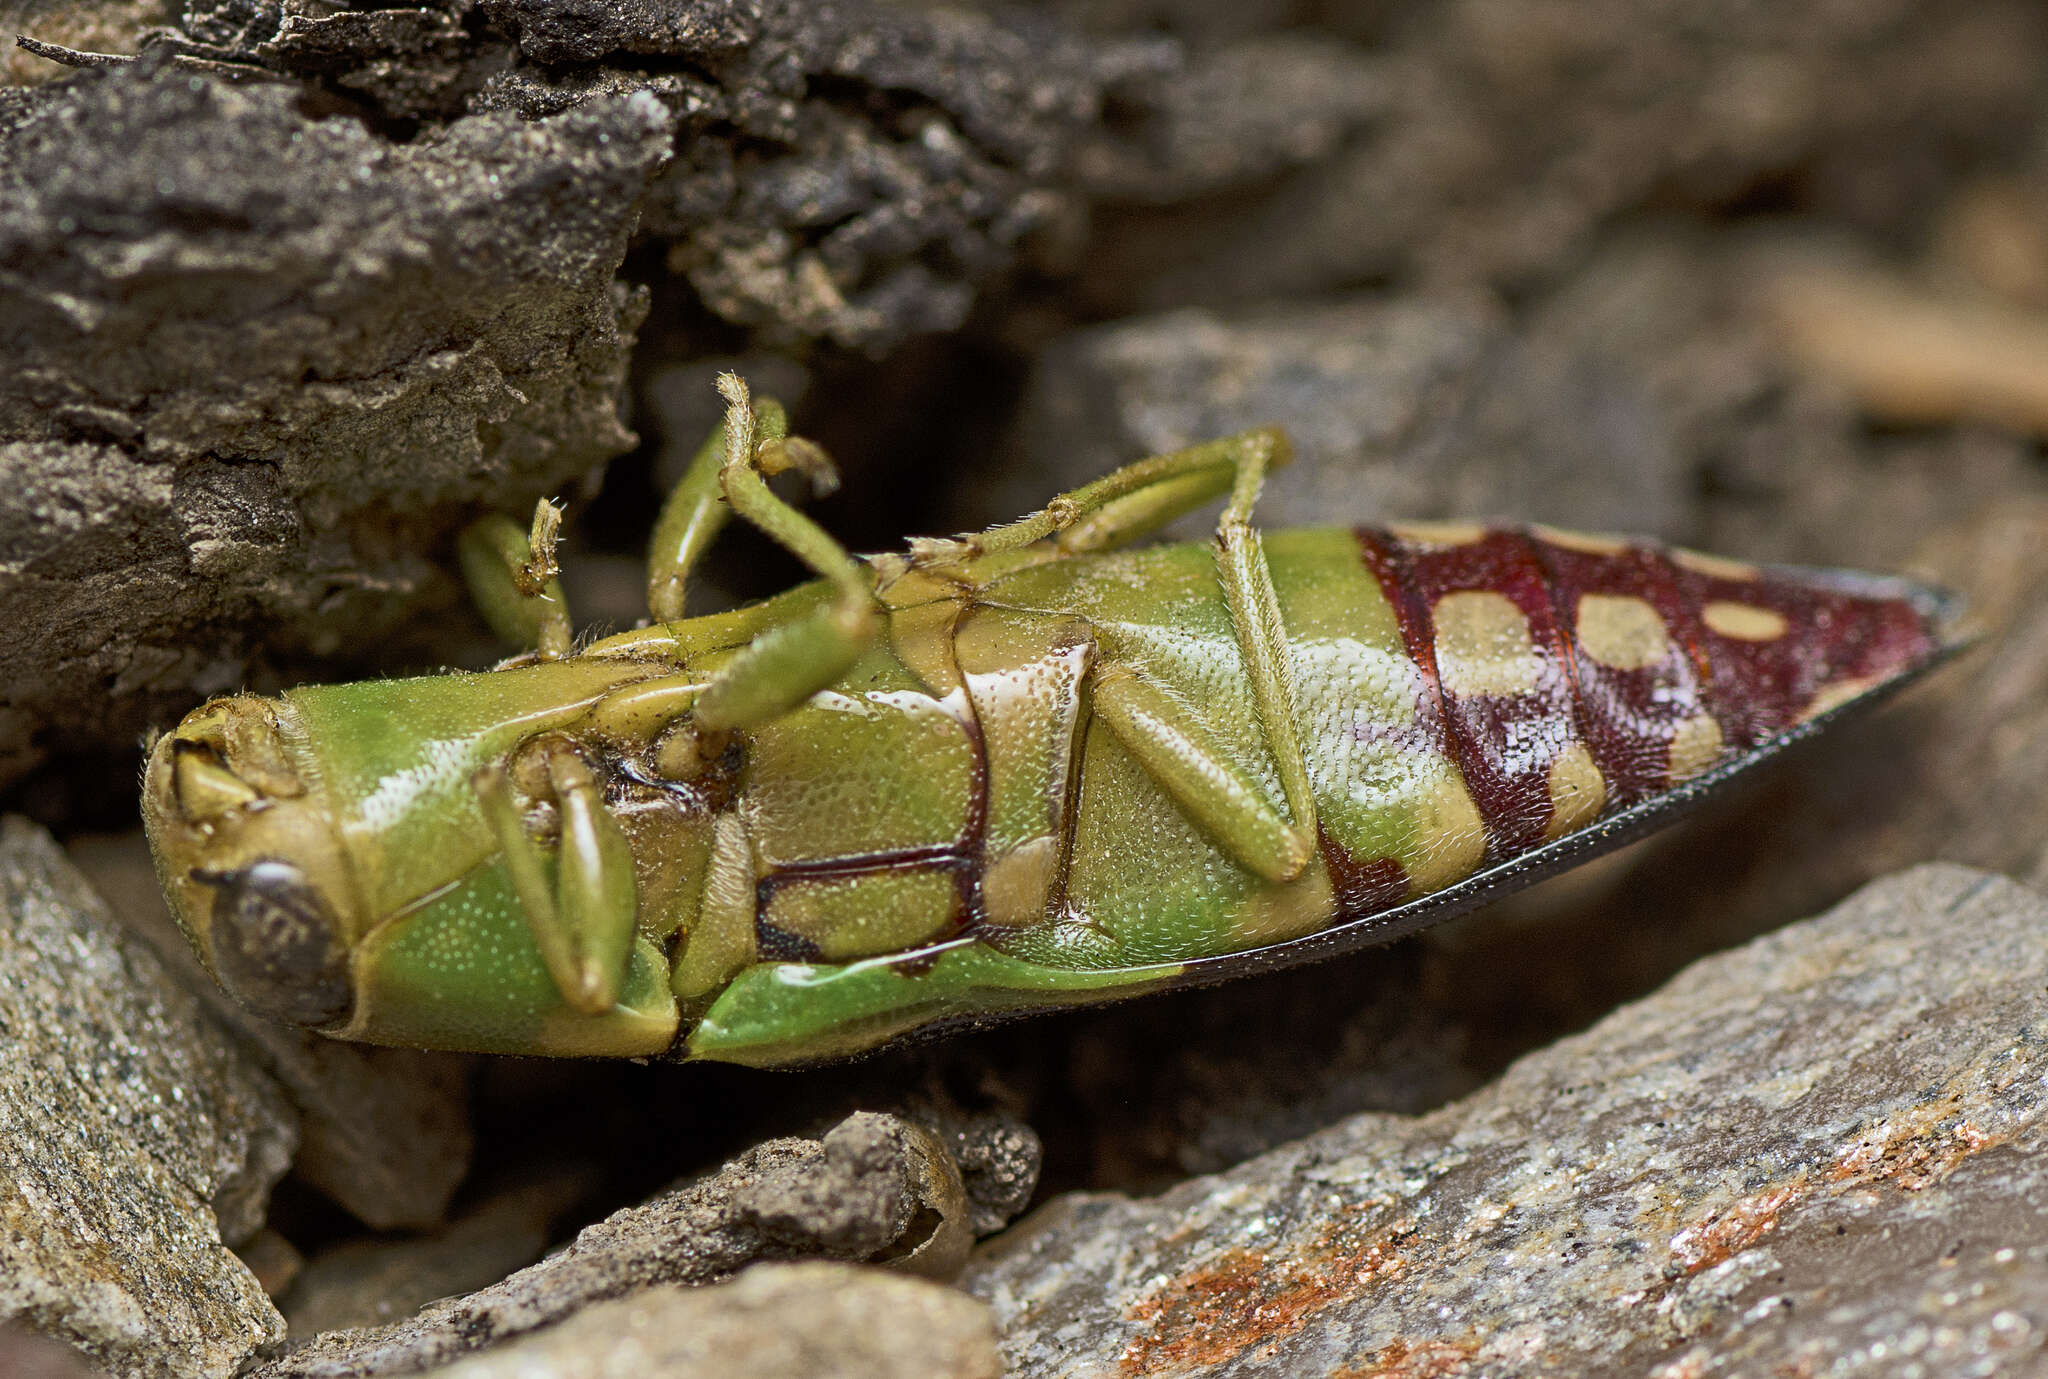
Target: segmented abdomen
[{"x": 1569, "y": 675}]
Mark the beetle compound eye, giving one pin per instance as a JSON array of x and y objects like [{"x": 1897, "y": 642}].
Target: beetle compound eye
[{"x": 275, "y": 945}]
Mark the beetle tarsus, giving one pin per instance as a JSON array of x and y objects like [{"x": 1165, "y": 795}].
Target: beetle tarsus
[
  {"x": 511, "y": 575},
  {"x": 583, "y": 922}
]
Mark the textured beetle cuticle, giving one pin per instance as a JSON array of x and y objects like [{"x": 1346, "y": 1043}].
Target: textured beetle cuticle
[{"x": 985, "y": 774}]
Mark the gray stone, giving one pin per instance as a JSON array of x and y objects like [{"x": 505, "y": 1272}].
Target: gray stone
[
  {"x": 852, "y": 171},
  {"x": 137, "y": 1139},
  {"x": 25, "y": 1355},
  {"x": 873, "y": 1188},
  {"x": 1822, "y": 1148},
  {"x": 863, "y": 228},
  {"x": 1515, "y": 133},
  {"x": 995, "y": 1153},
  {"x": 374, "y": 1282},
  {"x": 775, "y": 1321},
  {"x": 1234, "y": 117},
  {"x": 258, "y": 360},
  {"x": 295, "y": 294},
  {"x": 1417, "y": 406},
  {"x": 384, "y": 1132},
  {"x": 1777, "y": 465}
]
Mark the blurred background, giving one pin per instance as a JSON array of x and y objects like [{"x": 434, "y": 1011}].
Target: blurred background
[{"x": 289, "y": 292}]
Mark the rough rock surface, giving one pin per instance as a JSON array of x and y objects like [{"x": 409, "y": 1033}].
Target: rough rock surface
[
  {"x": 1512, "y": 132},
  {"x": 1234, "y": 117},
  {"x": 775, "y": 1321},
  {"x": 874, "y": 1188},
  {"x": 135, "y": 1138},
  {"x": 295, "y": 293},
  {"x": 384, "y": 1132},
  {"x": 1416, "y": 406},
  {"x": 258, "y": 362},
  {"x": 1822, "y": 1148},
  {"x": 375, "y": 1282}
]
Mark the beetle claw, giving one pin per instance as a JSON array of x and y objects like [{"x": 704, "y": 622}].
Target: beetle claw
[
  {"x": 927, "y": 551},
  {"x": 206, "y": 789}
]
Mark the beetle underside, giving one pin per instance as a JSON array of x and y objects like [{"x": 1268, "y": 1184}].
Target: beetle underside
[{"x": 1010, "y": 771}]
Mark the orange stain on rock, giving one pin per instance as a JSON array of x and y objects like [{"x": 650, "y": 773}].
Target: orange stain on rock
[
  {"x": 1913, "y": 1153},
  {"x": 1410, "y": 1360},
  {"x": 1732, "y": 1230},
  {"x": 1240, "y": 1298},
  {"x": 1909, "y": 1152}
]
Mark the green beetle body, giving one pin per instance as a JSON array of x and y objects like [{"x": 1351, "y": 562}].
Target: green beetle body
[{"x": 1041, "y": 776}]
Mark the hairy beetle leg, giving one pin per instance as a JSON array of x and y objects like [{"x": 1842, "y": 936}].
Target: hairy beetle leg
[
  {"x": 1255, "y": 617},
  {"x": 641, "y": 712},
  {"x": 583, "y": 923},
  {"x": 1174, "y": 743},
  {"x": 1131, "y": 503},
  {"x": 656, "y": 713},
  {"x": 512, "y": 576},
  {"x": 787, "y": 664},
  {"x": 1125, "y": 505},
  {"x": 696, "y": 511}
]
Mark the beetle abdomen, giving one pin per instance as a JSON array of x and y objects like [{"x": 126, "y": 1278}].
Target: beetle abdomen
[
  {"x": 1570, "y": 675},
  {"x": 1464, "y": 697}
]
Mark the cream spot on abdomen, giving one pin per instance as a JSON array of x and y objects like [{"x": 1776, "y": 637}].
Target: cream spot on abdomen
[
  {"x": 1584, "y": 542},
  {"x": 1745, "y": 622},
  {"x": 1695, "y": 746},
  {"x": 1014, "y": 887},
  {"x": 1275, "y": 914},
  {"x": 1621, "y": 632},
  {"x": 1439, "y": 533},
  {"x": 1578, "y": 792},
  {"x": 1483, "y": 645},
  {"x": 1453, "y": 837},
  {"x": 1835, "y": 695},
  {"x": 1714, "y": 566}
]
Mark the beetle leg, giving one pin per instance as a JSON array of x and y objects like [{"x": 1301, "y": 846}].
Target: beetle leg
[
  {"x": 721, "y": 940},
  {"x": 582, "y": 923},
  {"x": 512, "y": 576},
  {"x": 1171, "y": 740},
  {"x": 595, "y": 893},
  {"x": 1261, "y": 636},
  {"x": 640, "y": 712},
  {"x": 1122, "y": 506},
  {"x": 656, "y": 713},
  {"x": 696, "y": 509},
  {"x": 785, "y": 664},
  {"x": 1144, "y": 496}
]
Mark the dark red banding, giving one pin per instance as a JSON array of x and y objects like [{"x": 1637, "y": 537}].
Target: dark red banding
[
  {"x": 1660, "y": 665},
  {"x": 1762, "y": 685},
  {"x": 1386, "y": 560},
  {"x": 1507, "y": 725},
  {"x": 1362, "y": 888},
  {"x": 1630, "y": 711}
]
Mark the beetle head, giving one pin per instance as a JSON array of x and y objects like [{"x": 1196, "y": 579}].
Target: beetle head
[
  {"x": 327, "y": 857},
  {"x": 251, "y": 864}
]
